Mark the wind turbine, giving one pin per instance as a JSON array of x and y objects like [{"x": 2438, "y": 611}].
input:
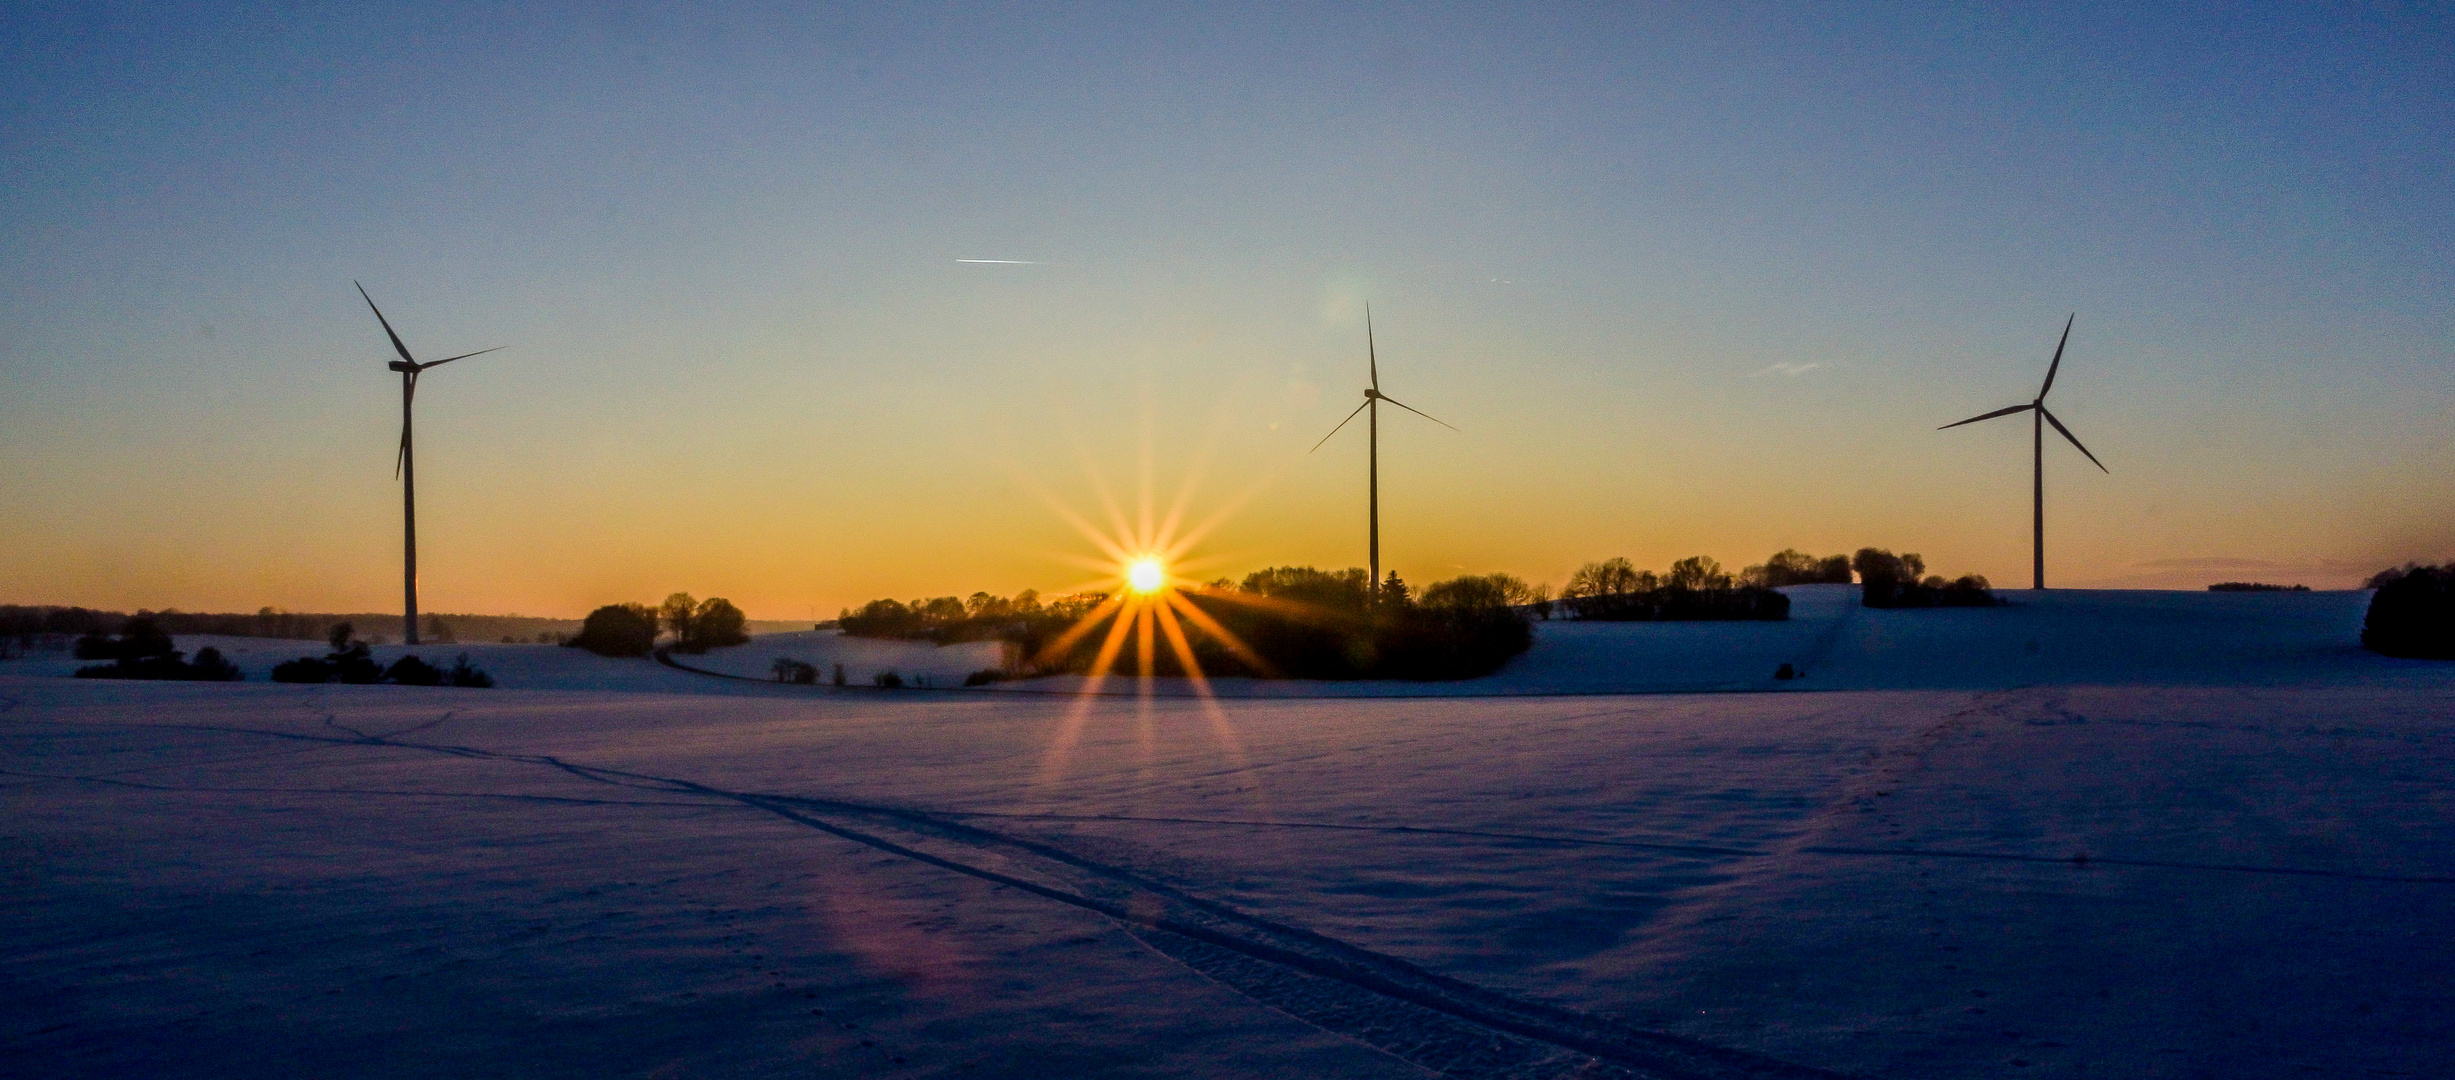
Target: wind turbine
[
  {"x": 405, "y": 466},
  {"x": 1373, "y": 397},
  {"x": 2037, "y": 443}
]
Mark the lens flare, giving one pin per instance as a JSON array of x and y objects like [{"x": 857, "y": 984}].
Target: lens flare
[{"x": 1145, "y": 576}]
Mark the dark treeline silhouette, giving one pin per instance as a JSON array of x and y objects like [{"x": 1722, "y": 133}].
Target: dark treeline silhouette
[
  {"x": 631, "y": 629},
  {"x": 1284, "y": 622},
  {"x": 1024, "y": 618},
  {"x": 23, "y": 624},
  {"x": 2255, "y": 586},
  {"x": 1887, "y": 580},
  {"x": 1300, "y": 622},
  {"x": 350, "y": 661},
  {"x": 2413, "y": 613},
  {"x": 700, "y": 625},
  {"x": 1696, "y": 588},
  {"x": 143, "y": 651},
  {"x": 1791, "y": 567}
]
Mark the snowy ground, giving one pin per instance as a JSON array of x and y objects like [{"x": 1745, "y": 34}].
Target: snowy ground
[{"x": 2230, "y": 857}]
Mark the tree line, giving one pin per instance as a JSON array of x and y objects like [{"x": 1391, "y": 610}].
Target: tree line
[
  {"x": 1284, "y": 622},
  {"x": 350, "y": 661},
  {"x": 946, "y": 620},
  {"x": 141, "y": 650},
  {"x": 1696, "y": 588},
  {"x": 25, "y": 625},
  {"x": 631, "y": 629}
]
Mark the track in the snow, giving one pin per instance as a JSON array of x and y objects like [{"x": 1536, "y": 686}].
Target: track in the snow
[{"x": 1428, "y": 1019}]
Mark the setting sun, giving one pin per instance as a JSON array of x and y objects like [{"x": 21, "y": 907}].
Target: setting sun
[{"x": 1144, "y": 575}]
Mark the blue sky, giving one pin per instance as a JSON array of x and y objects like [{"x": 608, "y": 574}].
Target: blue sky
[{"x": 1686, "y": 283}]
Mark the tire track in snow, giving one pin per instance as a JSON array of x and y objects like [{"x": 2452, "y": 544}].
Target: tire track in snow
[
  {"x": 1428, "y": 1019},
  {"x": 1319, "y": 979}
]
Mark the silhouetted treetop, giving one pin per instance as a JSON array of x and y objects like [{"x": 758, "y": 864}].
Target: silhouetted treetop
[
  {"x": 714, "y": 624},
  {"x": 2413, "y": 613},
  {"x": 618, "y": 630},
  {"x": 1696, "y": 588},
  {"x": 1892, "y": 581}
]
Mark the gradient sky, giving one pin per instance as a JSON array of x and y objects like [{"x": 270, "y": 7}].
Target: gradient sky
[{"x": 1687, "y": 283}]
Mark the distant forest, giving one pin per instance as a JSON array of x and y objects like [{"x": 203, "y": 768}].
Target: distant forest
[
  {"x": 21, "y": 622},
  {"x": 22, "y": 626}
]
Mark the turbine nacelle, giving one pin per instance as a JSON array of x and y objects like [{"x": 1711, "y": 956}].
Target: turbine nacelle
[{"x": 403, "y": 366}]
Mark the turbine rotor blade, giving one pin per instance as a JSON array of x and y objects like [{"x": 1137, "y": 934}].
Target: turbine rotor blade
[
  {"x": 463, "y": 356},
  {"x": 401, "y": 457},
  {"x": 1991, "y": 415},
  {"x": 1419, "y": 412},
  {"x": 2058, "y": 357},
  {"x": 1341, "y": 424},
  {"x": 1371, "y": 356},
  {"x": 379, "y": 317},
  {"x": 2075, "y": 441}
]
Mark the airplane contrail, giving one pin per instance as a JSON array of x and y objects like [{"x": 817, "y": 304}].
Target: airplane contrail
[{"x": 1004, "y": 262}]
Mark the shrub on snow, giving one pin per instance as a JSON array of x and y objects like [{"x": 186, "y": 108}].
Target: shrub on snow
[
  {"x": 2413, "y": 613},
  {"x": 618, "y": 630}
]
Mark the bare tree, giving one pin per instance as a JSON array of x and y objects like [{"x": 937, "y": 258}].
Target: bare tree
[{"x": 676, "y": 612}]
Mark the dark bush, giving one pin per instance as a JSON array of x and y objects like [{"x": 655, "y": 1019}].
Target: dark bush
[
  {"x": 411, "y": 671},
  {"x": 2255, "y": 586},
  {"x": 2413, "y": 613},
  {"x": 143, "y": 651},
  {"x": 305, "y": 669},
  {"x": 353, "y": 665},
  {"x": 789, "y": 670},
  {"x": 1892, "y": 581},
  {"x": 348, "y": 662},
  {"x": 984, "y": 677},
  {"x": 618, "y": 630},
  {"x": 888, "y": 680},
  {"x": 468, "y": 675},
  {"x": 210, "y": 666},
  {"x": 139, "y": 638}
]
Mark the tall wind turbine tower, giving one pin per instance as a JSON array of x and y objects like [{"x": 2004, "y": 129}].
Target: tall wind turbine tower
[
  {"x": 2037, "y": 446},
  {"x": 405, "y": 466},
  {"x": 1373, "y": 397}
]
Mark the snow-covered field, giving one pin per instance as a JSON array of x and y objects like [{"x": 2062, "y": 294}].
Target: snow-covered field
[{"x": 2180, "y": 835}]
